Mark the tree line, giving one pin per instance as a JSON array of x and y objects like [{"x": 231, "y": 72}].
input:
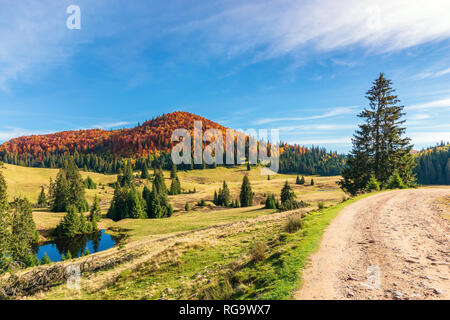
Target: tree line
[{"x": 433, "y": 165}]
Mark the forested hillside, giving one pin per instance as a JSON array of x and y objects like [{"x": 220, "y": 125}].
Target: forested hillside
[
  {"x": 104, "y": 151},
  {"x": 433, "y": 165}
]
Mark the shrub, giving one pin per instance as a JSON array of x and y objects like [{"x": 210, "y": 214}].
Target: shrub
[
  {"x": 186, "y": 206},
  {"x": 320, "y": 205},
  {"x": 45, "y": 259},
  {"x": 373, "y": 185},
  {"x": 270, "y": 202},
  {"x": 258, "y": 252},
  {"x": 395, "y": 182},
  {"x": 293, "y": 224}
]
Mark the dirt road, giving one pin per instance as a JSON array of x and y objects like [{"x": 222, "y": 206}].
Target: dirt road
[{"x": 393, "y": 245}]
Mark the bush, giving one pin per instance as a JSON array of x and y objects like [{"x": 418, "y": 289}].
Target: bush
[
  {"x": 320, "y": 205},
  {"x": 186, "y": 206},
  {"x": 270, "y": 202},
  {"x": 293, "y": 224},
  {"x": 258, "y": 252},
  {"x": 373, "y": 185},
  {"x": 292, "y": 205},
  {"x": 395, "y": 182},
  {"x": 45, "y": 259}
]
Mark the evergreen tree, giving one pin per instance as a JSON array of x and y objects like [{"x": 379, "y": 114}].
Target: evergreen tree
[
  {"x": 395, "y": 182},
  {"x": 286, "y": 193},
  {"x": 68, "y": 189},
  {"x": 45, "y": 259},
  {"x": 173, "y": 172},
  {"x": 270, "y": 202},
  {"x": 248, "y": 166},
  {"x": 23, "y": 231},
  {"x": 186, "y": 207},
  {"x": 246, "y": 195},
  {"x": 215, "y": 200},
  {"x": 95, "y": 212},
  {"x": 153, "y": 205},
  {"x": 89, "y": 183},
  {"x": 373, "y": 185},
  {"x": 135, "y": 205},
  {"x": 175, "y": 187},
  {"x": 126, "y": 179},
  {"x": 159, "y": 184},
  {"x": 144, "y": 172},
  {"x": 312, "y": 181},
  {"x": 42, "y": 199},
  {"x": 378, "y": 146},
  {"x": 297, "y": 181}
]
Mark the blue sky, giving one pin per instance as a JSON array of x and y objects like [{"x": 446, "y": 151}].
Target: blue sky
[{"x": 300, "y": 66}]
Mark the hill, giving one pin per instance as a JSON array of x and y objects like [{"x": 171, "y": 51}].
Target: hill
[
  {"x": 433, "y": 165},
  {"x": 103, "y": 151}
]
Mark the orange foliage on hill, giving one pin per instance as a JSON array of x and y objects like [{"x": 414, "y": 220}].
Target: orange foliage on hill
[{"x": 148, "y": 138}]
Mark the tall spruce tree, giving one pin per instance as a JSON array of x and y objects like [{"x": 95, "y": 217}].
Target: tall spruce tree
[
  {"x": 68, "y": 189},
  {"x": 379, "y": 148}
]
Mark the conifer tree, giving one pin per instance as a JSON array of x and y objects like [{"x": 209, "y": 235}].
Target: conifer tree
[
  {"x": 302, "y": 180},
  {"x": 379, "y": 147},
  {"x": 173, "y": 172},
  {"x": 95, "y": 212},
  {"x": 297, "y": 181},
  {"x": 144, "y": 172},
  {"x": 312, "y": 181},
  {"x": 42, "y": 199},
  {"x": 46, "y": 259},
  {"x": 246, "y": 195}
]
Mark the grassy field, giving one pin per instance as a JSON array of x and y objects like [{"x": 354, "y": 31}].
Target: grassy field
[
  {"x": 23, "y": 181},
  {"x": 256, "y": 260},
  {"x": 205, "y": 253}
]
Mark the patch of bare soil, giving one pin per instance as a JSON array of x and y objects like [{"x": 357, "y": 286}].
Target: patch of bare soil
[{"x": 393, "y": 245}]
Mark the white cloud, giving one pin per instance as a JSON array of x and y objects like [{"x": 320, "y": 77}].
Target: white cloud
[
  {"x": 334, "y": 112},
  {"x": 319, "y": 141},
  {"x": 442, "y": 103},
  {"x": 289, "y": 26},
  {"x": 432, "y": 74},
  {"x": 8, "y": 133},
  {"x": 429, "y": 138}
]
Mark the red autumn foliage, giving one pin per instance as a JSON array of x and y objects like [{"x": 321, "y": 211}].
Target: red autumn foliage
[{"x": 148, "y": 138}]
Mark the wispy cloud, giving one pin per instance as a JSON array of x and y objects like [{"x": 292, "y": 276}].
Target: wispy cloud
[
  {"x": 432, "y": 74},
  {"x": 334, "y": 112},
  {"x": 442, "y": 103},
  {"x": 8, "y": 133},
  {"x": 272, "y": 29}
]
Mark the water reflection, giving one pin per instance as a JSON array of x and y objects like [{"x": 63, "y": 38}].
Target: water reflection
[{"x": 95, "y": 242}]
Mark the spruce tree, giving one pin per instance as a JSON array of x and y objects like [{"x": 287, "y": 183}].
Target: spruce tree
[
  {"x": 42, "y": 199},
  {"x": 379, "y": 148},
  {"x": 5, "y": 221},
  {"x": 95, "y": 212},
  {"x": 144, "y": 172},
  {"x": 173, "y": 172},
  {"x": 246, "y": 195},
  {"x": 302, "y": 180},
  {"x": 45, "y": 259},
  {"x": 297, "y": 181}
]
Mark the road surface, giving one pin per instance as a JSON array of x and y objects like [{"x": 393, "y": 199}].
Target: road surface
[{"x": 393, "y": 245}]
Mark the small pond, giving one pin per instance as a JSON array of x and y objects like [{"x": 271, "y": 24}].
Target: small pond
[{"x": 95, "y": 242}]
